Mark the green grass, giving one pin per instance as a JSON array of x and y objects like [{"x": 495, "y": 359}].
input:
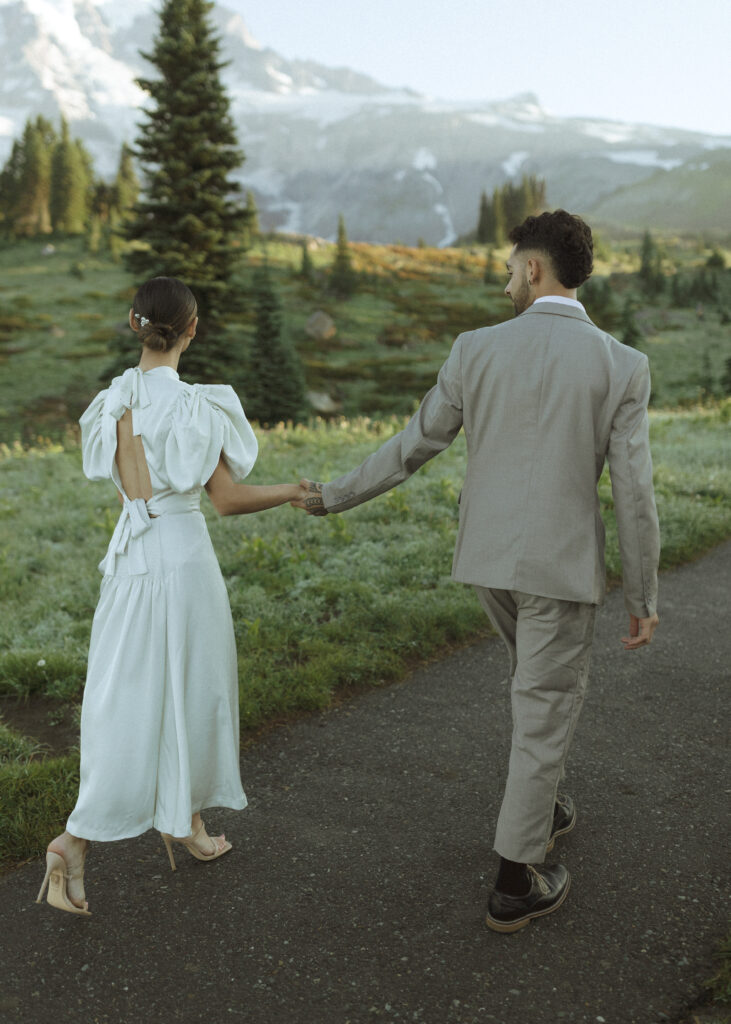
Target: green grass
[
  {"x": 318, "y": 604},
  {"x": 58, "y": 330}
]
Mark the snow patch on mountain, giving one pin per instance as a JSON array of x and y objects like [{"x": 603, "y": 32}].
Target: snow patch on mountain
[
  {"x": 642, "y": 157},
  {"x": 322, "y": 140},
  {"x": 449, "y": 233},
  {"x": 609, "y": 131},
  {"x": 514, "y": 162},
  {"x": 514, "y": 124},
  {"x": 424, "y": 160}
]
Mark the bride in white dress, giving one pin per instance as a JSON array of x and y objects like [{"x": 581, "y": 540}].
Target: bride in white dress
[{"x": 159, "y": 720}]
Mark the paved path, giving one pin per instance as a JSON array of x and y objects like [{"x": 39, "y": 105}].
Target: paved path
[{"x": 359, "y": 879}]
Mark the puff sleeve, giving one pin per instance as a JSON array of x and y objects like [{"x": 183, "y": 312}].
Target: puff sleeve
[
  {"x": 98, "y": 439},
  {"x": 99, "y": 422},
  {"x": 207, "y": 422}
]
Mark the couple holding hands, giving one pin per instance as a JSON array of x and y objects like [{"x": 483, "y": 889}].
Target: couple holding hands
[{"x": 544, "y": 399}]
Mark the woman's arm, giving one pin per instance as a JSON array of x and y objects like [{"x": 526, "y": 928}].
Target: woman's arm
[{"x": 231, "y": 499}]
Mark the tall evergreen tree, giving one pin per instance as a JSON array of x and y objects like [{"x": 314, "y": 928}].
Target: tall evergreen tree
[
  {"x": 490, "y": 275},
  {"x": 650, "y": 273},
  {"x": 274, "y": 389},
  {"x": 252, "y": 230},
  {"x": 498, "y": 217},
  {"x": 189, "y": 213},
  {"x": 342, "y": 275},
  {"x": 70, "y": 184},
  {"x": 630, "y": 332},
  {"x": 509, "y": 205},
  {"x": 9, "y": 185},
  {"x": 307, "y": 269},
  {"x": 513, "y": 203},
  {"x": 125, "y": 192},
  {"x": 126, "y": 184},
  {"x": 101, "y": 205},
  {"x": 486, "y": 221},
  {"x": 27, "y": 178}
]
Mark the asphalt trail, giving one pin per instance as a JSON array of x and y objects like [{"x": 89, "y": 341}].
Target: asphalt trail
[{"x": 357, "y": 887}]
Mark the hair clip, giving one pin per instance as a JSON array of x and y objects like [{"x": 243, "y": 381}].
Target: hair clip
[{"x": 142, "y": 320}]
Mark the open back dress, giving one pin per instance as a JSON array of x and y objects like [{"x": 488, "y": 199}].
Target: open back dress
[{"x": 160, "y": 720}]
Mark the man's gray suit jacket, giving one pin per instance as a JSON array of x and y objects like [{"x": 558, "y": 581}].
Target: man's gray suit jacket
[{"x": 544, "y": 399}]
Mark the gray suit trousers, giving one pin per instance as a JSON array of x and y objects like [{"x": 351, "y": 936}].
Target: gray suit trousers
[{"x": 549, "y": 643}]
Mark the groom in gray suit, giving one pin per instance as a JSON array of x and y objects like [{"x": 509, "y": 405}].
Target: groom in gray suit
[{"x": 544, "y": 400}]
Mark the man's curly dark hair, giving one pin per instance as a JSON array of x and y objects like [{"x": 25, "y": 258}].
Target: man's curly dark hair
[{"x": 564, "y": 238}]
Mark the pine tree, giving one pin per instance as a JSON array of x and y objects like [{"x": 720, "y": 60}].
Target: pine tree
[
  {"x": 486, "y": 222},
  {"x": 101, "y": 215},
  {"x": 126, "y": 184},
  {"x": 188, "y": 213},
  {"x": 274, "y": 389},
  {"x": 342, "y": 275},
  {"x": 508, "y": 206},
  {"x": 306, "y": 268},
  {"x": 70, "y": 184},
  {"x": 490, "y": 276},
  {"x": 9, "y": 186},
  {"x": 513, "y": 205},
  {"x": 125, "y": 192},
  {"x": 630, "y": 331},
  {"x": 498, "y": 214},
  {"x": 650, "y": 273},
  {"x": 27, "y": 178},
  {"x": 252, "y": 230}
]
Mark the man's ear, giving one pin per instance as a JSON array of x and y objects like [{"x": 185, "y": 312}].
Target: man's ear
[{"x": 533, "y": 270}]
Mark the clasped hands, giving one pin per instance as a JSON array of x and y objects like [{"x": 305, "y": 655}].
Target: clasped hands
[{"x": 311, "y": 501}]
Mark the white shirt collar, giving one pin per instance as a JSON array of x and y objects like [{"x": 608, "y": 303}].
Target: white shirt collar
[
  {"x": 562, "y": 299},
  {"x": 163, "y": 371}
]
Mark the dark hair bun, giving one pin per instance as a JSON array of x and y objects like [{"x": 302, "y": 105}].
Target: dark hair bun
[
  {"x": 164, "y": 309},
  {"x": 158, "y": 337}
]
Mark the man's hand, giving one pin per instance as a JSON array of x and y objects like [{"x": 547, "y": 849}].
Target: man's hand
[
  {"x": 312, "y": 503},
  {"x": 640, "y": 632}
]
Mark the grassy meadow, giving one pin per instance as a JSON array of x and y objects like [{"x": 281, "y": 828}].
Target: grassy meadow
[
  {"x": 61, "y": 316},
  {"x": 318, "y": 604}
]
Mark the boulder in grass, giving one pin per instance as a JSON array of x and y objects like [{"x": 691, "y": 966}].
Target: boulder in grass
[
  {"x": 320, "y": 326},
  {"x": 323, "y": 404}
]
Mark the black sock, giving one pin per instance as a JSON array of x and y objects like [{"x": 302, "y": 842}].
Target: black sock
[{"x": 512, "y": 878}]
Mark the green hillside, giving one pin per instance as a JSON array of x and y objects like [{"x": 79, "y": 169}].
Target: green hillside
[
  {"x": 693, "y": 198},
  {"x": 62, "y": 317}
]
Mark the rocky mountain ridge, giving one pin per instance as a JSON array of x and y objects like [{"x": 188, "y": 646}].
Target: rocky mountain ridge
[{"x": 321, "y": 140}]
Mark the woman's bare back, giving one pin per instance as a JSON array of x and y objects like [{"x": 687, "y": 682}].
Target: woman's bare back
[{"x": 131, "y": 461}]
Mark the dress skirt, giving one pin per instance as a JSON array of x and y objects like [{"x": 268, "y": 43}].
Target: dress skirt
[{"x": 160, "y": 719}]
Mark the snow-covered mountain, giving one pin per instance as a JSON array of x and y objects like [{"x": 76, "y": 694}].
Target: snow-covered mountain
[{"x": 321, "y": 140}]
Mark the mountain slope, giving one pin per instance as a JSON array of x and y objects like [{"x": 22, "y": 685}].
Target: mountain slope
[
  {"x": 692, "y": 198},
  {"x": 322, "y": 140}
]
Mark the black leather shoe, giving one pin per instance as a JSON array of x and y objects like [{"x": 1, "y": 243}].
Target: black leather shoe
[
  {"x": 548, "y": 890},
  {"x": 564, "y": 819}
]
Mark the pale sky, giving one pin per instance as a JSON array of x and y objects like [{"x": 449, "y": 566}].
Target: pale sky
[{"x": 665, "y": 62}]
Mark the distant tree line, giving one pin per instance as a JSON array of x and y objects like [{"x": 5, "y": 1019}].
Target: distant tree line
[
  {"x": 49, "y": 185},
  {"x": 509, "y": 205}
]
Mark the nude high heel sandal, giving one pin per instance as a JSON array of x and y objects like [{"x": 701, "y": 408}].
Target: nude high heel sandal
[
  {"x": 190, "y": 844},
  {"x": 57, "y": 876}
]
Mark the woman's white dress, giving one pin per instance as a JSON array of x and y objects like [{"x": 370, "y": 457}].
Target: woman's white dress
[{"x": 160, "y": 720}]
